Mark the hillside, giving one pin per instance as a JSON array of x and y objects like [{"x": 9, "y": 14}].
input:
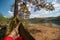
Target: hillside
[
  {"x": 55, "y": 20},
  {"x": 44, "y": 31}
]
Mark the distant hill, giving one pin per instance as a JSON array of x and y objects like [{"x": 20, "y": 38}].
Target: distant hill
[{"x": 55, "y": 20}]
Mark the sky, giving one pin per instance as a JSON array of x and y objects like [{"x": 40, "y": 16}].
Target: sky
[{"x": 5, "y": 6}]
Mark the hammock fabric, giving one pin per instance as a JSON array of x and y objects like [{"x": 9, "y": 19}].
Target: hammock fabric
[{"x": 10, "y": 38}]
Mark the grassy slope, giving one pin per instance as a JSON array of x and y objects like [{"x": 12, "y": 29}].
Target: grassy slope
[
  {"x": 44, "y": 31},
  {"x": 55, "y": 20}
]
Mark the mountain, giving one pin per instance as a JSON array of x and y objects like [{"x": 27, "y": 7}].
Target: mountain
[{"x": 55, "y": 20}]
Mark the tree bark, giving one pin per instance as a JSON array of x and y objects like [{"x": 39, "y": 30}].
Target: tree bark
[
  {"x": 16, "y": 8},
  {"x": 24, "y": 33}
]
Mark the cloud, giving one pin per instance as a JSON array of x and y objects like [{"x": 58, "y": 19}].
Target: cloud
[
  {"x": 5, "y": 16},
  {"x": 57, "y": 6},
  {"x": 44, "y": 13},
  {"x": 10, "y": 14},
  {"x": 34, "y": 15},
  {"x": 19, "y": 7},
  {"x": 58, "y": 1},
  {"x": 29, "y": 5}
]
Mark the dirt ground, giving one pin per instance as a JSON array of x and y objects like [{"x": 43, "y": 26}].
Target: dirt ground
[{"x": 44, "y": 32}]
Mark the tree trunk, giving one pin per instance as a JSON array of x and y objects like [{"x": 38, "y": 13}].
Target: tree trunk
[
  {"x": 16, "y": 8},
  {"x": 24, "y": 33}
]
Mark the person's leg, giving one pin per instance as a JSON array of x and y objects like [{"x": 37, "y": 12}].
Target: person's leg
[{"x": 13, "y": 34}]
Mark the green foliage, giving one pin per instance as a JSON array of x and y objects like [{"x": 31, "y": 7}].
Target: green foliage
[
  {"x": 2, "y": 33},
  {"x": 11, "y": 18},
  {"x": 2, "y": 18}
]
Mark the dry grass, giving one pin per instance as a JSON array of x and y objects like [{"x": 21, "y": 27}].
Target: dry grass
[{"x": 44, "y": 32}]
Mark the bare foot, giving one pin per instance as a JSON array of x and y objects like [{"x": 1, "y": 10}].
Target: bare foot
[{"x": 14, "y": 33}]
